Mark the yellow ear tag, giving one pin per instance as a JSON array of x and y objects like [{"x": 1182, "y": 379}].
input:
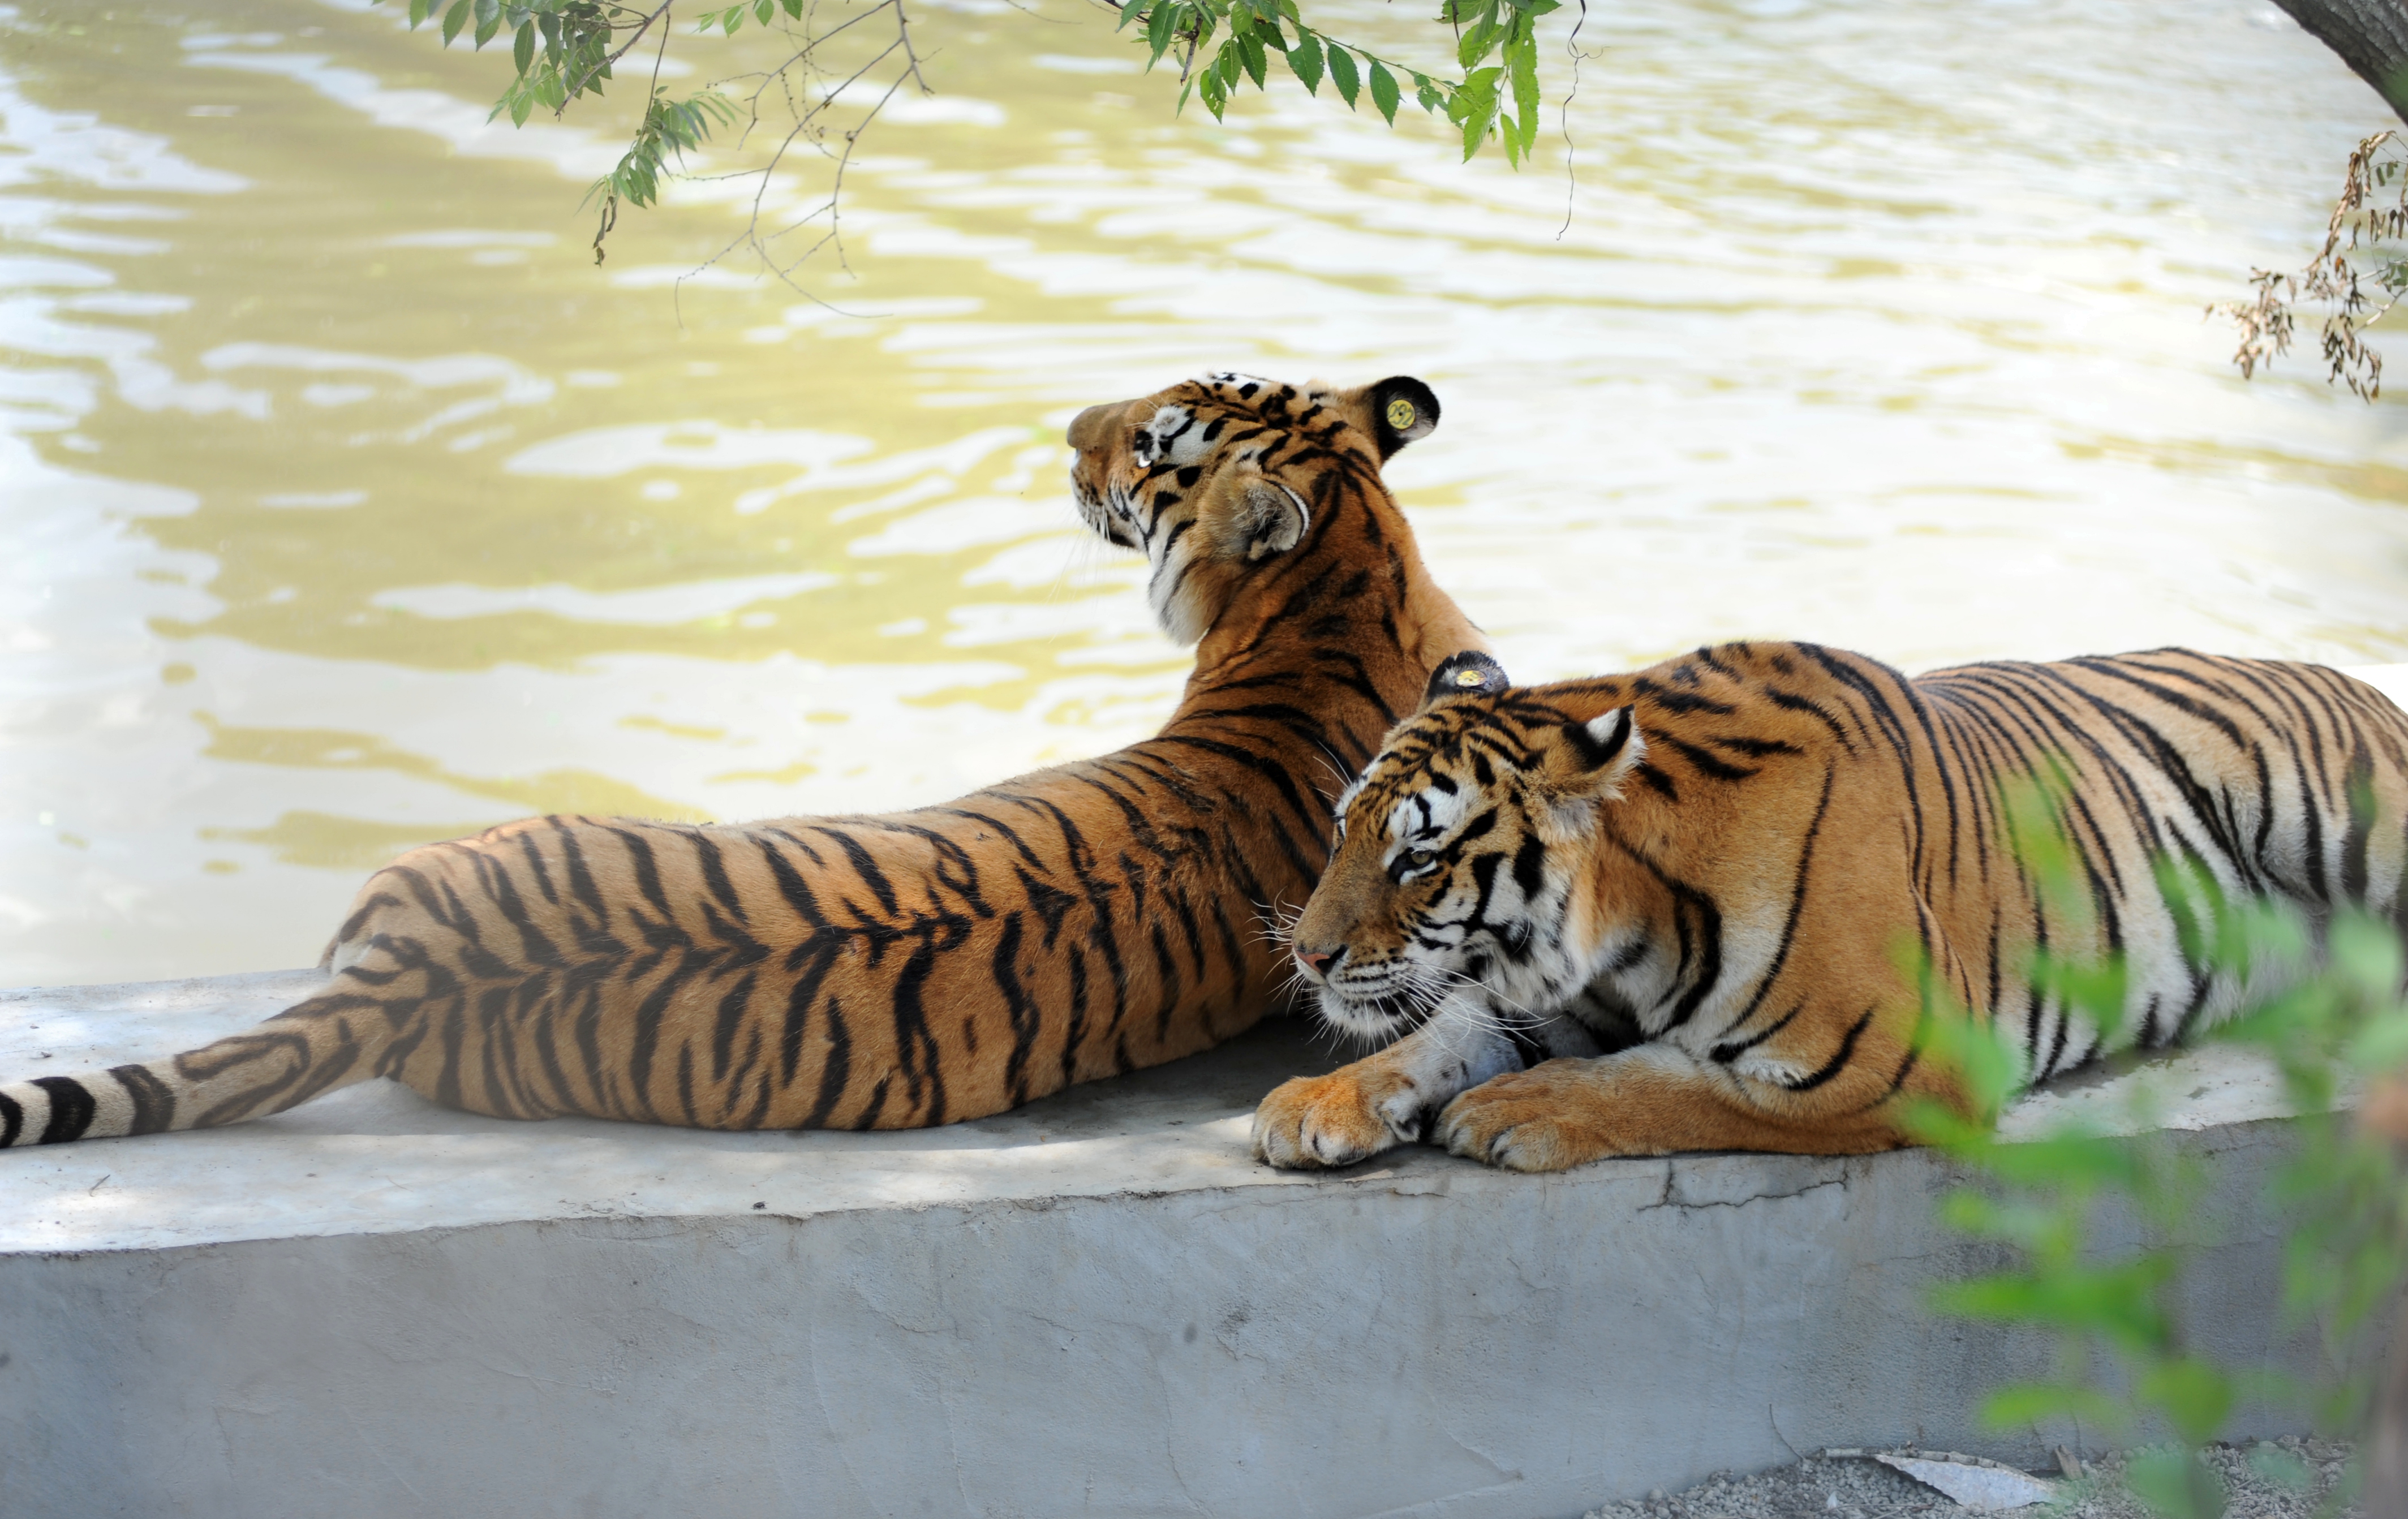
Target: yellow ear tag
[
  {"x": 1400, "y": 417},
  {"x": 1464, "y": 678}
]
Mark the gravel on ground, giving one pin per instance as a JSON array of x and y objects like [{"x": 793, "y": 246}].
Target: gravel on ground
[{"x": 2290, "y": 1478}]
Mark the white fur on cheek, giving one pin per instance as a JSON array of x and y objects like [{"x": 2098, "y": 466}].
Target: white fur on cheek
[{"x": 1188, "y": 446}]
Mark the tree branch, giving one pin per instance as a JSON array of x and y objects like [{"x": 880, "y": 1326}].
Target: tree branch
[{"x": 2370, "y": 35}]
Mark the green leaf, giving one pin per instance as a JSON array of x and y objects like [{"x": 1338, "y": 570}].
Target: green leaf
[
  {"x": 1342, "y": 75},
  {"x": 1304, "y": 61},
  {"x": 2175, "y": 1483},
  {"x": 2284, "y": 1469},
  {"x": 1160, "y": 29},
  {"x": 489, "y": 19},
  {"x": 1249, "y": 52},
  {"x": 763, "y": 10},
  {"x": 1475, "y": 43},
  {"x": 522, "y": 54},
  {"x": 2196, "y": 1397},
  {"x": 456, "y": 18},
  {"x": 729, "y": 22},
  {"x": 1523, "y": 59},
  {"x": 1211, "y": 89},
  {"x": 1426, "y": 91},
  {"x": 419, "y": 11},
  {"x": 2382, "y": 1044},
  {"x": 2366, "y": 950},
  {"x": 2021, "y": 1405},
  {"x": 1128, "y": 12},
  {"x": 1474, "y": 107},
  {"x": 1383, "y": 92}
]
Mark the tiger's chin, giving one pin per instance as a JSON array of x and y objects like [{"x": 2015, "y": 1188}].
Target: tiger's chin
[{"x": 1378, "y": 1018}]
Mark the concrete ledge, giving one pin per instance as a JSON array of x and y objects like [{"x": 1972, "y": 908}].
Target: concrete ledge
[{"x": 371, "y": 1306}]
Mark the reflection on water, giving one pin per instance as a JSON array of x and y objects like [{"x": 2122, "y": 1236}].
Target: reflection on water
[{"x": 349, "y": 505}]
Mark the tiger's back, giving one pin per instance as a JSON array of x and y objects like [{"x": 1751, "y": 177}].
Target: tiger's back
[
  {"x": 808, "y": 973},
  {"x": 2271, "y": 778}
]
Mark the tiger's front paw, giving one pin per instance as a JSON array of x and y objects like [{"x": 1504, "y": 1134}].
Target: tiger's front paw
[
  {"x": 1531, "y": 1120},
  {"x": 1335, "y": 1120}
]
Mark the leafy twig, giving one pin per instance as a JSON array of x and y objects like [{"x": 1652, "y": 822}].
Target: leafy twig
[{"x": 2267, "y": 321}]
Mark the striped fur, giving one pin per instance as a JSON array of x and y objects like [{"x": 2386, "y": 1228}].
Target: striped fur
[
  {"x": 1690, "y": 885},
  {"x": 918, "y": 967}
]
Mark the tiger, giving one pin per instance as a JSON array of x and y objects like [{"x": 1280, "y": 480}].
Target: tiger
[
  {"x": 1694, "y": 908},
  {"x": 918, "y": 967}
]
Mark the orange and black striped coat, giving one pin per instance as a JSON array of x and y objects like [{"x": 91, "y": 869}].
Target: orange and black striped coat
[
  {"x": 923, "y": 967},
  {"x": 1692, "y": 884}
]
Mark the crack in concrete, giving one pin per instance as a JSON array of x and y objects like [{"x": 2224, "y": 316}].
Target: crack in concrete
[{"x": 1671, "y": 1179}]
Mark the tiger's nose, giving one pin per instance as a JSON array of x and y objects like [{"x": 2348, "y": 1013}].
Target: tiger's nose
[{"x": 1317, "y": 963}]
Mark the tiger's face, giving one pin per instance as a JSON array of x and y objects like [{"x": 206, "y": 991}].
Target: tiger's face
[
  {"x": 1462, "y": 872},
  {"x": 1214, "y": 477}
]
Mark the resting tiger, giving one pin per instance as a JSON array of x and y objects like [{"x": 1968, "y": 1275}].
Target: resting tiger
[
  {"x": 1687, "y": 886},
  {"x": 924, "y": 966}
]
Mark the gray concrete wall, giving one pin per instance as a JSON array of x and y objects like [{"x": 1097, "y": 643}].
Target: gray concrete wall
[{"x": 1096, "y": 1305}]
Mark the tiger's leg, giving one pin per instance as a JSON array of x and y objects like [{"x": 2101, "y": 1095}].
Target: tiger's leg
[
  {"x": 1656, "y": 1099},
  {"x": 1386, "y": 1099}
]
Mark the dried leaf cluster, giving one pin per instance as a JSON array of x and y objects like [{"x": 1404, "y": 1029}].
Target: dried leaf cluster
[{"x": 2363, "y": 226}]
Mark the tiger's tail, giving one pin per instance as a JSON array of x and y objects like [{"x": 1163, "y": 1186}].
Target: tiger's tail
[{"x": 363, "y": 1025}]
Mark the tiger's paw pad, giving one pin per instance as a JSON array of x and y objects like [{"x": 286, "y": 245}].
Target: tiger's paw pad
[
  {"x": 1311, "y": 1122},
  {"x": 1517, "y": 1124}
]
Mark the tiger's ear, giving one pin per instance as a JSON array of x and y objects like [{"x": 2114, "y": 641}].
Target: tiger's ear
[
  {"x": 1252, "y": 518},
  {"x": 1590, "y": 760},
  {"x": 1392, "y": 412},
  {"x": 1469, "y": 673},
  {"x": 1405, "y": 411}
]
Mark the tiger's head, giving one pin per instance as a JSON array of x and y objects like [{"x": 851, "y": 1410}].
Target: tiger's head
[
  {"x": 1214, "y": 479},
  {"x": 1460, "y": 871}
]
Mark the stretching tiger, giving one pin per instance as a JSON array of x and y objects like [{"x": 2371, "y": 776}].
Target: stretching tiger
[
  {"x": 918, "y": 967},
  {"x": 1687, "y": 884}
]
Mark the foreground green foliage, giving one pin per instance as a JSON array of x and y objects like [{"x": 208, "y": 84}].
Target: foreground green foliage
[{"x": 2127, "y": 1366}]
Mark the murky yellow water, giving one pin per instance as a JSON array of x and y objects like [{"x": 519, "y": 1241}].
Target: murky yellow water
[{"x": 347, "y": 504}]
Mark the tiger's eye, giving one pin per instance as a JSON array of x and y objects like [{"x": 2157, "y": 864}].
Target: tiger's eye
[{"x": 1421, "y": 856}]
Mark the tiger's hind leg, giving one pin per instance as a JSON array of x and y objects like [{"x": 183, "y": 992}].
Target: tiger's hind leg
[{"x": 1655, "y": 1099}]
